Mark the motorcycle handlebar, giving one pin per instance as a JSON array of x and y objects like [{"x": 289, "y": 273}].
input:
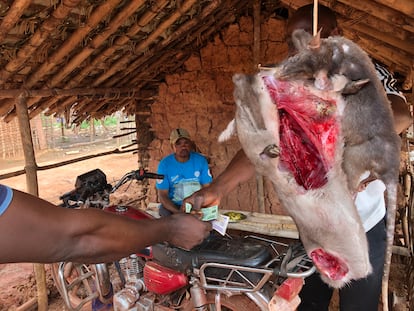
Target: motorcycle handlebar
[
  {"x": 81, "y": 194},
  {"x": 139, "y": 174}
]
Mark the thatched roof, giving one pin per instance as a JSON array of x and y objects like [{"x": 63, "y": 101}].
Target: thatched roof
[{"x": 94, "y": 57}]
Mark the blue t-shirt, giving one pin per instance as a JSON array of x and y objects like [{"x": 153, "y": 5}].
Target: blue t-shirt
[
  {"x": 6, "y": 195},
  {"x": 183, "y": 178}
]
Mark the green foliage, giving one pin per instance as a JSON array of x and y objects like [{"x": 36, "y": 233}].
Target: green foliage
[
  {"x": 110, "y": 121},
  {"x": 84, "y": 125}
]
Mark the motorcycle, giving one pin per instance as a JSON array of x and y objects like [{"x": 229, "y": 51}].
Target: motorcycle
[{"x": 230, "y": 272}]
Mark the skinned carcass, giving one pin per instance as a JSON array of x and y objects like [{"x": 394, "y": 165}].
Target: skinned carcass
[{"x": 314, "y": 125}]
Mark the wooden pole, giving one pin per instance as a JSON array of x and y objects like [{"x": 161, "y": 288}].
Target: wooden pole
[
  {"x": 13, "y": 15},
  {"x": 256, "y": 58},
  {"x": 32, "y": 188},
  {"x": 315, "y": 17}
]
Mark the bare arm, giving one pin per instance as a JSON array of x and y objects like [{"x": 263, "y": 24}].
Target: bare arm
[
  {"x": 166, "y": 201},
  {"x": 402, "y": 115},
  {"x": 34, "y": 230},
  {"x": 239, "y": 170}
]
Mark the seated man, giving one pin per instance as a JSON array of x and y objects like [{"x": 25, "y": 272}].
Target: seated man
[{"x": 185, "y": 172}]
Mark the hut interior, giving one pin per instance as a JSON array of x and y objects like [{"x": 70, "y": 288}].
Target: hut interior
[
  {"x": 170, "y": 63},
  {"x": 92, "y": 58}
]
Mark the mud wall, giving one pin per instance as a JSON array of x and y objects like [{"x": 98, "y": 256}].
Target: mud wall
[{"x": 200, "y": 99}]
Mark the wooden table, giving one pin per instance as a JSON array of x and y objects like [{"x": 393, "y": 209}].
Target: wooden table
[{"x": 268, "y": 224}]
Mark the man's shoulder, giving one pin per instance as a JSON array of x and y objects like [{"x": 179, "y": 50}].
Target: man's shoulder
[
  {"x": 168, "y": 157},
  {"x": 198, "y": 155}
]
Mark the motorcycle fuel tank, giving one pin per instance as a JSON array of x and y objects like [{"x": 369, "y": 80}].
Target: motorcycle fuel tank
[
  {"x": 128, "y": 212},
  {"x": 161, "y": 280},
  {"x": 134, "y": 214}
]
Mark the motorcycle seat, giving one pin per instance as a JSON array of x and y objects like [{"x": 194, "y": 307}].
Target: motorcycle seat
[{"x": 215, "y": 248}]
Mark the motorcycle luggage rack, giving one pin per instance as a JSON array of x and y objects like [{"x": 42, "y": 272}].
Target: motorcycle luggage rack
[
  {"x": 235, "y": 278},
  {"x": 94, "y": 281},
  {"x": 291, "y": 260}
]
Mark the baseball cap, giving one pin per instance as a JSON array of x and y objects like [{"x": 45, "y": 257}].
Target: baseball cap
[{"x": 178, "y": 133}]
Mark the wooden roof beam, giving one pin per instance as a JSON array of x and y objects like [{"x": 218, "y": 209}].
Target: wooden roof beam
[
  {"x": 135, "y": 69},
  {"x": 100, "y": 39},
  {"x": 91, "y": 107},
  {"x": 122, "y": 62},
  {"x": 387, "y": 55},
  {"x": 67, "y": 46},
  {"x": 205, "y": 30},
  {"x": 135, "y": 28},
  {"x": 75, "y": 61},
  {"x": 407, "y": 45},
  {"x": 88, "y": 106},
  {"x": 106, "y": 92},
  {"x": 37, "y": 39},
  {"x": 151, "y": 71},
  {"x": 102, "y": 57},
  {"x": 348, "y": 17},
  {"x": 13, "y": 15},
  {"x": 382, "y": 12},
  {"x": 405, "y": 7},
  {"x": 58, "y": 107},
  {"x": 73, "y": 41},
  {"x": 100, "y": 113},
  {"x": 190, "y": 25}
]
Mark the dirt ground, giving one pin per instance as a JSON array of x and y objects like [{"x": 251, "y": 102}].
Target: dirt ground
[{"x": 17, "y": 283}]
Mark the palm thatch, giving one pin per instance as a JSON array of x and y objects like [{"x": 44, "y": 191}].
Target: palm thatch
[{"x": 90, "y": 58}]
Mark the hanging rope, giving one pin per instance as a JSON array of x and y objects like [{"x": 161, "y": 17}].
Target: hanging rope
[{"x": 315, "y": 17}]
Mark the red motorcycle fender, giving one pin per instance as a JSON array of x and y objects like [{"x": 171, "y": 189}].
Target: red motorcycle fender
[{"x": 162, "y": 280}]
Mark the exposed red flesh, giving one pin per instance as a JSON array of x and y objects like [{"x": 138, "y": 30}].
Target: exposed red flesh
[
  {"x": 329, "y": 265},
  {"x": 308, "y": 132}
]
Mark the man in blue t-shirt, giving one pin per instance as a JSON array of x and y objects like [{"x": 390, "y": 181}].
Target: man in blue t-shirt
[{"x": 185, "y": 172}]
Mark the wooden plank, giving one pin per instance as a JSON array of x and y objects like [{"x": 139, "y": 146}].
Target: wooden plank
[
  {"x": 13, "y": 15},
  {"x": 67, "y": 162},
  {"x": 406, "y": 7},
  {"x": 388, "y": 55},
  {"x": 382, "y": 12},
  {"x": 268, "y": 224},
  {"x": 407, "y": 45},
  {"x": 122, "y": 62}
]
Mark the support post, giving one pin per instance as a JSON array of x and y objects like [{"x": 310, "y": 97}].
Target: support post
[
  {"x": 32, "y": 188},
  {"x": 256, "y": 58}
]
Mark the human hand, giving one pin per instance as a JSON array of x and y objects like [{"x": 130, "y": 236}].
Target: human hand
[
  {"x": 187, "y": 231},
  {"x": 364, "y": 183},
  {"x": 204, "y": 197}
]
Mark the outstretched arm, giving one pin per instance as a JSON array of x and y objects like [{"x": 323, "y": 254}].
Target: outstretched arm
[
  {"x": 402, "y": 115},
  {"x": 239, "y": 170},
  {"x": 34, "y": 230},
  {"x": 166, "y": 201}
]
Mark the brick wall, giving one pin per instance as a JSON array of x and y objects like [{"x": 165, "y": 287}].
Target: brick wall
[{"x": 201, "y": 100}]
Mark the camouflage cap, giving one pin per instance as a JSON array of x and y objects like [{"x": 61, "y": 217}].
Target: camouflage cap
[{"x": 178, "y": 133}]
